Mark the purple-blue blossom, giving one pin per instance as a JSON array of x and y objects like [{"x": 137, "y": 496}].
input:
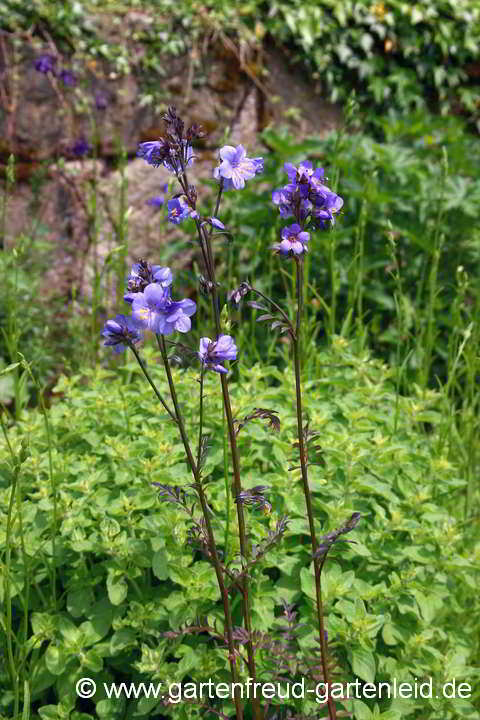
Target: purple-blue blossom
[
  {"x": 158, "y": 152},
  {"x": 213, "y": 353},
  {"x": 153, "y": 152},
  {"x": 236, "y": 167},
  {"x": 45, "y": 63},
  {"x": 101, "y": 101},
  {"x": 143, "y": 274},
  {"x": 306, "y": 196},
  {"x": 68, "y": 78},
  {"x": 294, "y": 241},
  {"x": 179, "y": 210},
  {"x": 154, "y": 310},
  {"x": 325, "y": 206},
  {"x": 121, "y": 332},
  {"x": 81, "y": 147},
  {"x": 156, "y": 201}
]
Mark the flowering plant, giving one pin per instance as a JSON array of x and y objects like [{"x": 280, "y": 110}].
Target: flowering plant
[{"x": 313, "y": 205}]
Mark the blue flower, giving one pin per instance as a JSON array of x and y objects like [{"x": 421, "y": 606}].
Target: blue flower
[
  {"x": 217, "y": 223},
  {"x": 306, "y": 195},
  {"x": 155, "y": 310},
  {"x": 179, "y": 210},
  {"x": 81, "y": 147},
  {"x": 214, "y": 352},
  {"x": 158, "y": 152},
  {"x": 294, "y": 241},
  {"x": 143, "y": 274},
  {"x": 121, "y": 332},
  {"x": 156, "y": 201},
  {"x": 45, "y": 64},
  {"x": 153, "y": 152},
  {"x": 235, "y": 167},
  {"x": 68, "y": 78},
  {"x": 101, "y": 101}
]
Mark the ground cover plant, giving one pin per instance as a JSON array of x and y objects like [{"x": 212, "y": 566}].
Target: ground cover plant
[{"x": 118, "y": 553}]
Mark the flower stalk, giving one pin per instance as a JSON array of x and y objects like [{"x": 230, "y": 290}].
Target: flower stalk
[{"x": 317, "y": 564}]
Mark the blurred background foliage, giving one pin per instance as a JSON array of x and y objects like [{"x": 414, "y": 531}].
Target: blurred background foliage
[{"x": 396, "y": 55}]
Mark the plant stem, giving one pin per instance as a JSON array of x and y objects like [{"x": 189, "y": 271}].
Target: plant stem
[
  {"x": 152, "y": 384},
  {"x": 206, "y": 247},
  {"x": 206, "y": 514},
  {"x": 237, "y": 484},
  {"x": 306, "y": 489},
  {"x": 227, "y": 488},
  {"x": 6, "y": 581}
]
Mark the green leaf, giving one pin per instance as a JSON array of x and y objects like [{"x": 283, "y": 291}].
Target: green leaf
[
  {"x": 363, "y": 664},
  {"x": 307, "y": 582},
  {"x": 361, "y": 711},
  {"x": 92, "y": 661},
  {"x": 160, "y": 564},
  {"x": 117, "y": 589},
  {"x": 55, "y": 659},
  {"x": 9, "y": 368}
]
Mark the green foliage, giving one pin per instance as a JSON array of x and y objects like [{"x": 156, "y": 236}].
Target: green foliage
[
  {"x": 400, "y": 603},
  {"x": 393, "y": 192},
  {"x": 394, "y": 54}
]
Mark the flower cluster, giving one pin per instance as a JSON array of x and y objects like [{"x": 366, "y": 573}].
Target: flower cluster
[
  {"x": 149, "y": 294},
  {"x": 307, "y": 196},
  {"x": 174, "y": 151},
  {"x": 161, "y": 152},
  {"x": 308, "y": 200},
  {"x": 81, "y": 147},
  {"x": 46, "y": 63}
]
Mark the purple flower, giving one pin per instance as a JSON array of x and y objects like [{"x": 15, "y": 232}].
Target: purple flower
[
  {"x": 294, "y": 241},
  {"x": 179, "y": 210},
  {"x": 81, "y": 147},
  {"x": 101, "y": 101},
  {"x": 158, "y": 152},
  {"x": 152, "y": 152},
  {"x": 121, "y": 332},
  {"x": 156, "y": 311},
  {"x": 325, "y": 204},
  {"x": 217, "y": 223},
  {"x": 45, "y": 64},
  {"x": 214, "y": 352},
  {"x": 143, "y": 274},
  {"x": 68, "y": 78},
  {"x": 235, "y": 167},
  {"x": 306, "y": 195},
  {"x": 156, "y": 201}
]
